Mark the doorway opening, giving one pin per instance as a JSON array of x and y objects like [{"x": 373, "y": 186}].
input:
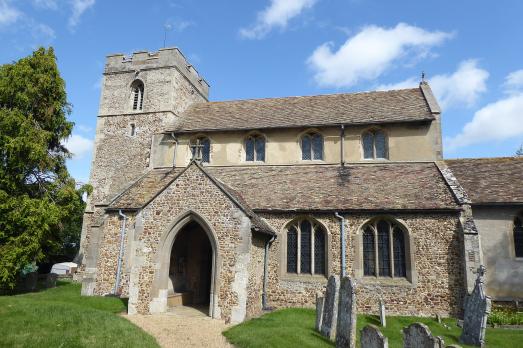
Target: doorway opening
[{"x": 190, "y": 269}]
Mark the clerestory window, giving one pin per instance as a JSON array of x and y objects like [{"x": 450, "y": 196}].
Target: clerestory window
[
  {"x": 201, "y": 149},
  {"x": 306, "y": 244},
  {"x": 384, "y": 250},
  {"x": 518, "y": 236},
  {"x": 374, "y": 144},
  {"x": 255, "y": 148},
  {"x": 312, "y": 146},
  {"x": 137, "y": 89}
]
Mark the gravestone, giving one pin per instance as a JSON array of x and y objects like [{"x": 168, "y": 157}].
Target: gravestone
[
  {"x": 477, "y": 309},
  {"x": 418, "y": 335},
  {"x": 330, "y": 308},
  {"x": 371, "y": 337},
  {"x": 320, "y": 301},
  {"x": 383, "y": 321},
  {"x": 346, "y": 327}
]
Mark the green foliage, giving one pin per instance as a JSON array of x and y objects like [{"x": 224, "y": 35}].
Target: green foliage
[
  {"x": 505, "y": 316},
  {"x": 38, "y": 198},
  {"x": 60, "y": 317},
  {"x": 294, "y": 327},
  {"x": 519, "y": 152}
]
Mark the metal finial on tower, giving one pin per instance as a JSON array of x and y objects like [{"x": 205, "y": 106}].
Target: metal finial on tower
[{"x": 423, "y": 77}]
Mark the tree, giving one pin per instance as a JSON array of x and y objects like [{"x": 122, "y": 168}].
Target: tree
[
  {"x": 38, "y": 198},
  {"x": 519, "y": 152}
]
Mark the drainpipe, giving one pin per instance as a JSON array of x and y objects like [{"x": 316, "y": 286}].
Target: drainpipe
[
  {"x": 265, "y": 272},
  {"x": 342, "y": 241},
  {"x": 342, "y": 142},
  {"x": 120, "y": 255}
]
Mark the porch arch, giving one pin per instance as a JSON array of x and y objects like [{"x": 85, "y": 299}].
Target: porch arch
[{"x": 160, "y": 284}]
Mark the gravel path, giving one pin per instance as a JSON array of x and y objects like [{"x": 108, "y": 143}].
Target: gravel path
[{"x": 186, "y": 327}]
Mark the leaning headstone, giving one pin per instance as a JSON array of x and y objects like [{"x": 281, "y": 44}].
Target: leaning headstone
[
  {"x": 383, "y": 321},
  {"x": 418, "y": 335},
  {"x": 330, "y": 308},
  {"x": 371, "y": 337},
  {"x": 477, "y": 309},
  {"x": 320, "y": 301},
  {"x": 346, "y": 327}
]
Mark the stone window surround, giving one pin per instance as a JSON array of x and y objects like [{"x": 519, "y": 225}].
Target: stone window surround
[
  {"x": 131, "y": 95},
  {"x": 410, "y": 256},
  {"x": 244, "y": 149},
  {"x": 311, "y": 131},
  {"x": 195, "y": 138},
  {"x": 283, "y": 252},
  {"x": 374, "y": 129}
]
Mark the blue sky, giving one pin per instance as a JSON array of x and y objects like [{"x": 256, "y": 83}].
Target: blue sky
[{"x": 471, "y": 52}]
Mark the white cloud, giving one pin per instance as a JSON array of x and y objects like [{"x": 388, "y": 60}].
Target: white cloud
[
  {"x": 47, "y": 4},
  {"x": 78, "y": 145},
  {"x": 462, "y": 87},
  {"x": 78, "y": 9},
  {"x": 277, "y": 14},
  {"x": 8, "y": 14},
  {"x": 371, "y": 52},
  {"x": 514, "y": 82},
  {"x": 497, "y": 121}
]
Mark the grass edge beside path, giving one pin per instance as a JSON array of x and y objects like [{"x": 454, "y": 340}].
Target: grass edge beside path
[
  {"x": 294, "y": 327},
  {"x": 60, "y": 317}
]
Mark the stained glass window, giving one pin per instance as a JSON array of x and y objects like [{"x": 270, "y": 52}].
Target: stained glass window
[
  {"x": 317, "y": 146},
  {"x": 369, "y": 260},
  {"x": 383, "y": 249},
  {"x": 292, "y": 250},
  {"x": 260, "y": 148},
  {"x": 319, "y": 251},
  {"x": 255, "y": 148},
  {"x": 518, "y": 237},
  {"x": 203, "y": 146},
  {"x": 305, "y": 254},
  {"x": 398, "y": 245},
  {"x": 374, "y": 145},
  {"x": 368, "y": 145},
  {"x": 249, "y": 149},
  {"x": 380, "y": 144},
  {"x": 306, "y": 148},
  {"x": 312, "y": 147}
]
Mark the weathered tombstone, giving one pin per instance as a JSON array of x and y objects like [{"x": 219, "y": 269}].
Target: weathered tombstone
[
  {"x": 50, "y": 280},
  {"x": 346, "y": 327},
  {"x": 477, "y": 309},
  {"x": 383, "y": 321},
  {"x": 418, "y": 335},
  {"x": 320, "y": 301},
  {"x": 330, "y": 308},
  {"x": 371, "y": 337}
]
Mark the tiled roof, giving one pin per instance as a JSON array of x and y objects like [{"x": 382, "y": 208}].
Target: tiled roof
[
  {"x": 406, "y": 105},
  {"x": 490, "y": 180},
  {"x": 388, "y": 186}
]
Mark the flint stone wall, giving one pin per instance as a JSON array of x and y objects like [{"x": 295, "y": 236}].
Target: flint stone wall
[{"x": 437, "y": 243}]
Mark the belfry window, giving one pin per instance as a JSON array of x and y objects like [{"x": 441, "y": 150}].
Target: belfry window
[
  {"x": 255, "y": 148},
  {"x": 518, "y": 236},
  {"x": 201, "y": 149},
  {"x": 312, "y": 146},
  {"x": 306, "y": 243},
  {"x": 137, "y": 90},
  {"x": 384, "y": 250},
  {"x": 374, "y": 144}
]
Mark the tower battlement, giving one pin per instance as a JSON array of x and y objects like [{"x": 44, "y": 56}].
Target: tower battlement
[{"x": 164, "y": 58}]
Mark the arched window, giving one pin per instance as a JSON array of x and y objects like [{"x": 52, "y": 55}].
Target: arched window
[
  {"x": 137, "y": 89},
  {"x": 255, "y": 148},
  {"x": 312, "y": 146},
  {"x": 306, "y": 243},
  {"x": 374, "y": 145},
  {"x": 384, "y": 245},
  {"x": 518, "y": 236},
  {"x": 201, "y": 149}
]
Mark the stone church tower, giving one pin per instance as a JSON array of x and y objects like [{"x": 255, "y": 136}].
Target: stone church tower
[{"x": 141, "y": 96}]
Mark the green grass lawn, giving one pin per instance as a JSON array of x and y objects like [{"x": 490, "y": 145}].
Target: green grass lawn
[
  {"x": 295, "y": 328},
  {"x": 60, "y": 317}
]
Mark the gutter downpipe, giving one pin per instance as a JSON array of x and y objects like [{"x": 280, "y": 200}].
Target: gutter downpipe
[
  {"x": 265, "y": 272},
  {"x": 342, "y": 142},
  {"x": 120, "y": 254},
  {"x": 342, "y": 241}
]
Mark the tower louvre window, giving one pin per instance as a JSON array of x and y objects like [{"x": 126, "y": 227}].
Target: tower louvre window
[{"x": 137, "y": 95}]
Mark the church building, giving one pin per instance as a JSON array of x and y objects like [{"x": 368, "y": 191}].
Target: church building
[{"x": 245, "y": 205}]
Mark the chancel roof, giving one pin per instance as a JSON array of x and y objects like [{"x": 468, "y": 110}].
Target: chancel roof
[
  {"x": 406, "y": 105},
  {"x": 353, "y": 187},
  {"x": 490, "y": 180}
]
